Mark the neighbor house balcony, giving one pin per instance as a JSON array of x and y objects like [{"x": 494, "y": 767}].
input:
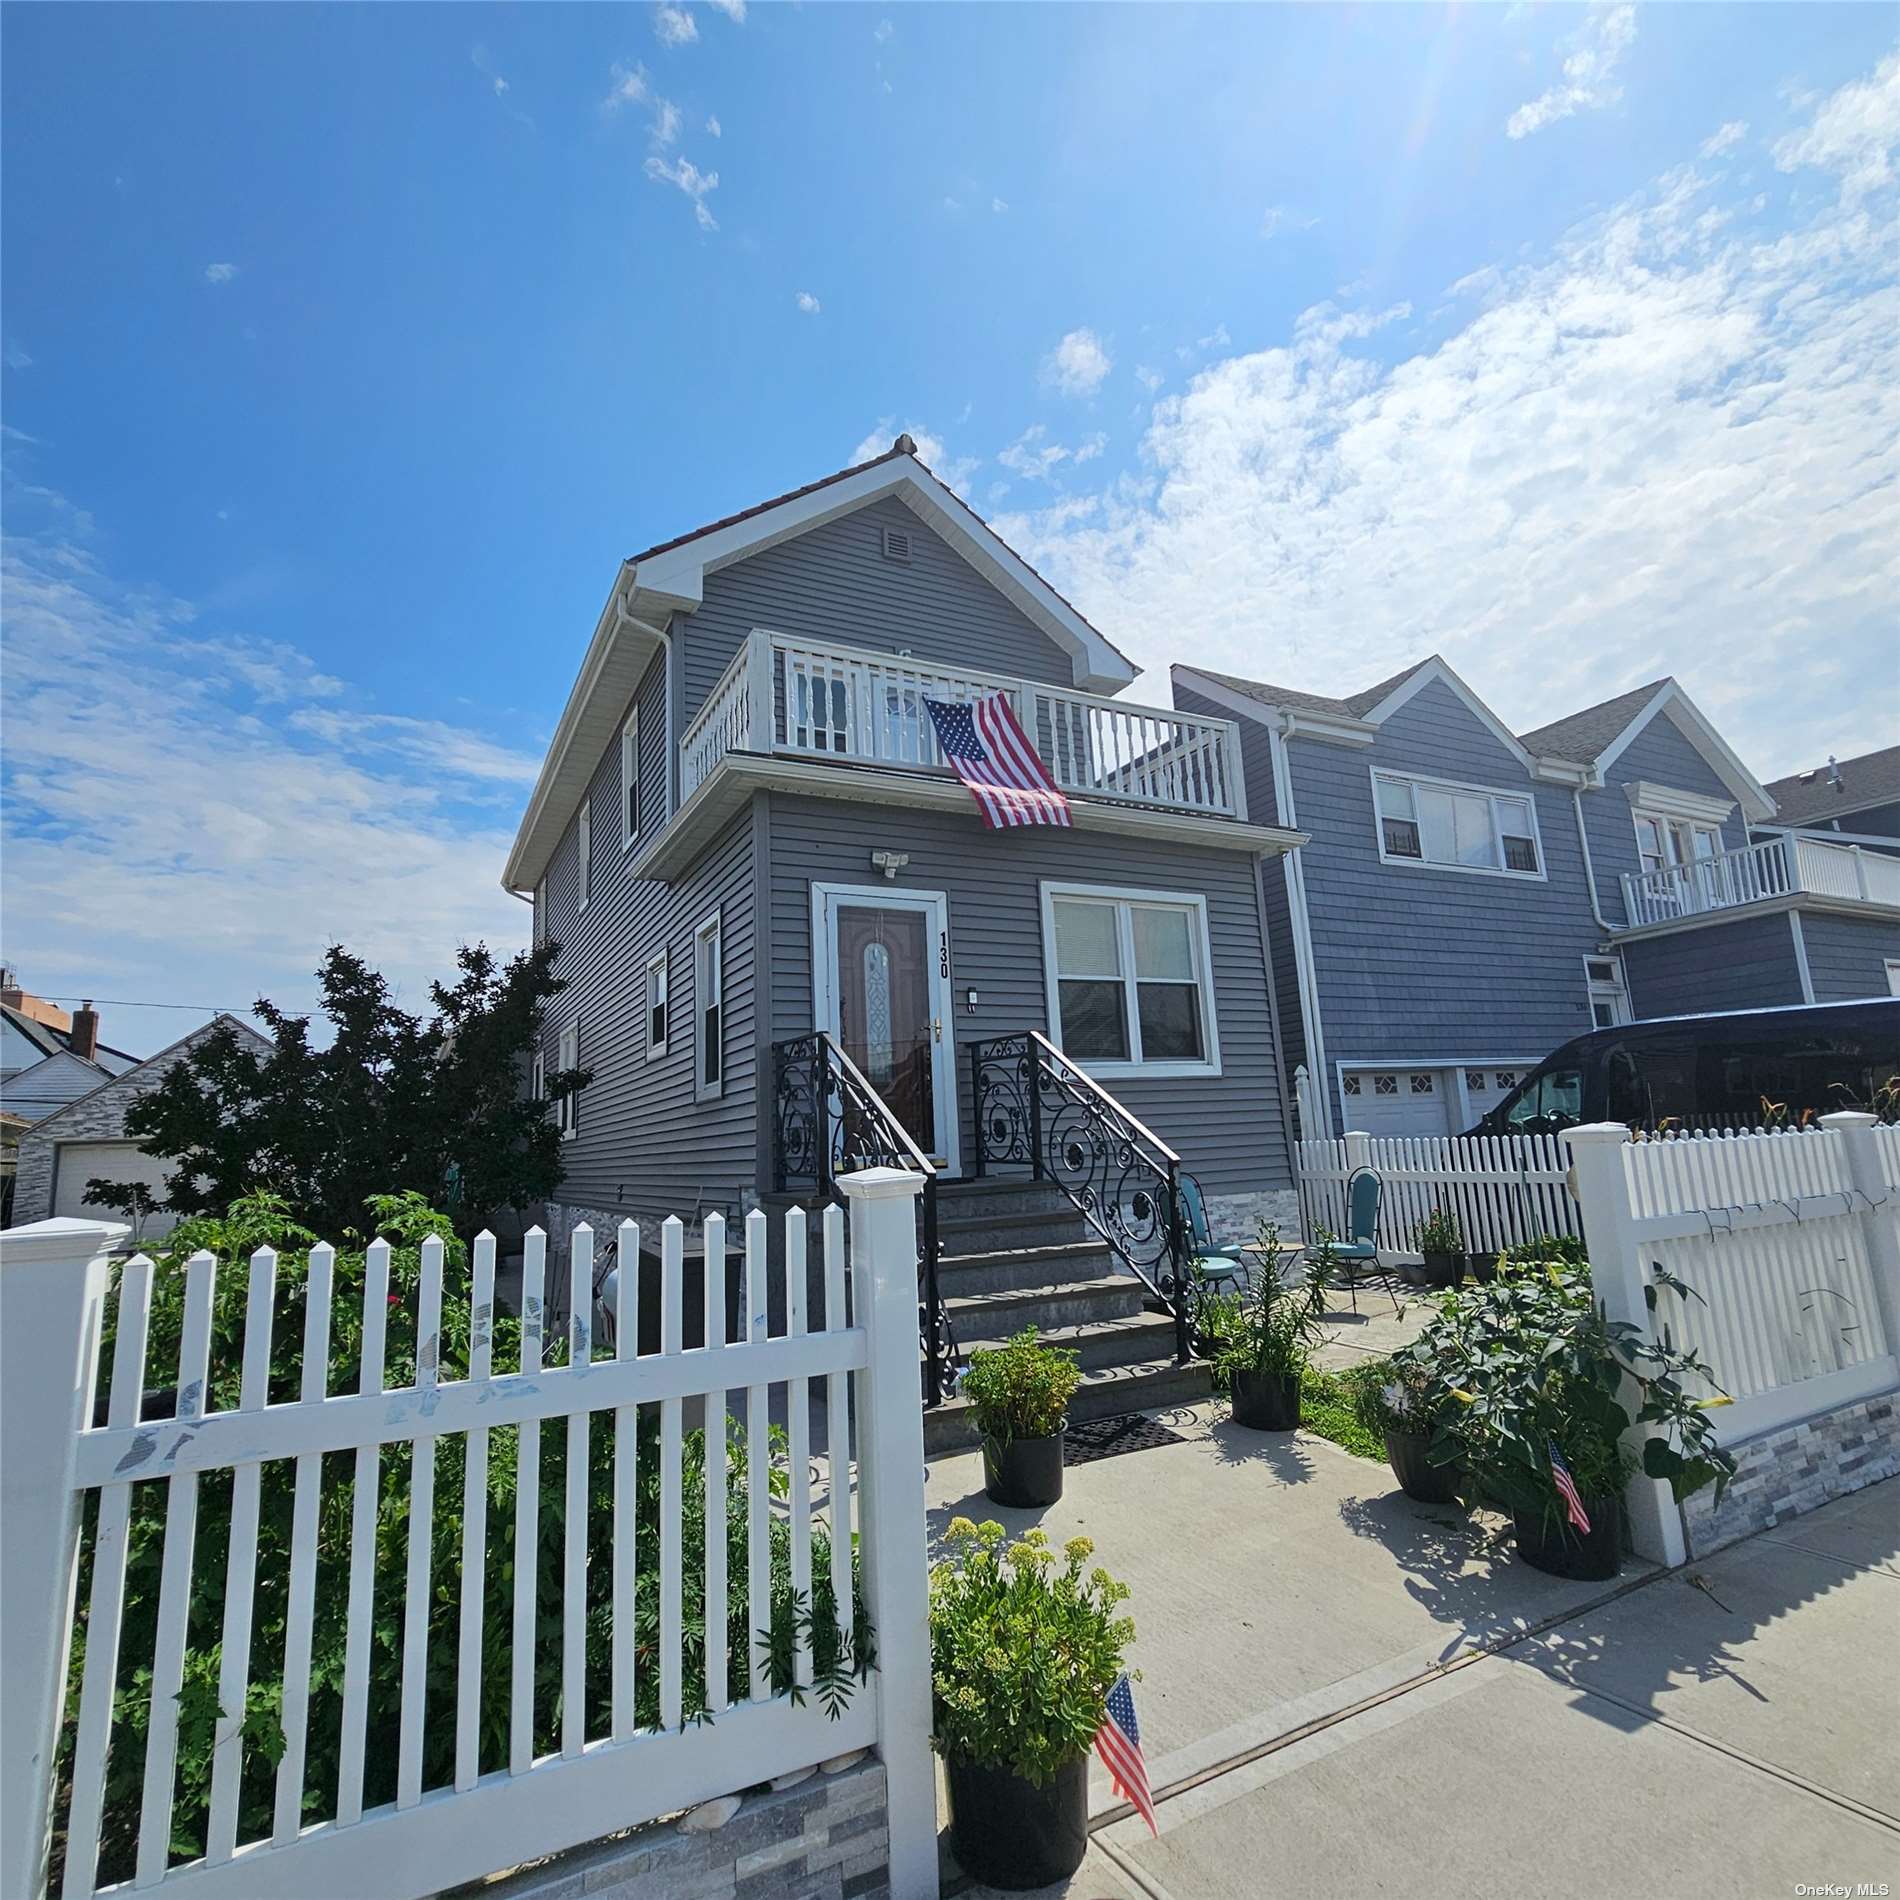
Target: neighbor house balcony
[
  {"x": 819, "y": 702},
  {"x": 1784, "y": 867}
]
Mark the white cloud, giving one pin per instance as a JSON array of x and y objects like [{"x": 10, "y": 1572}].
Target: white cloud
[
  {"x": 674, "y": 26},
  {"x": 1664, "y": 445},
  {"x": 1149, "y": 379},
  {"x": 734, "y": 10},
  {"x": 952, "y": 470},
  {"x": 1725, "y": 138},
  {"x": 714, "y": 128},
  {"x": 16, "y": 355},
  {"x": 666, "y": 122},
  {"x": 220, "y": 273},
  {"x": 808, "y": 303},
  {"x": 1854, "y": 133},
  {"x": 194, "y": 815},
  {"x": 1078, "y": 365},
  {"x": 1589, "y": 73},
  {"x": 999, "y": 205},
  {"x": 691, "y": 180},
  {"x": 1035, "y": 457},
  {"x": 883, "y": 32},
  {"x": 630, "y": 87},
  {"x": 1278, "y": 218}
]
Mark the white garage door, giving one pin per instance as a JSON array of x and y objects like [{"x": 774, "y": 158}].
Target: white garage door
[
  {"x": 78, "y": 1162},
  {"x": 1399, "y": 1101}
]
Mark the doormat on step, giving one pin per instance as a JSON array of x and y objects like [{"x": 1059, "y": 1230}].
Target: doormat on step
[{"x": 1110, "y": 1437}]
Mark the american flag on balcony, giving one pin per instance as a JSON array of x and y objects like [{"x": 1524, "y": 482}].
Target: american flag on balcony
[{"x": 992, "y": 755}]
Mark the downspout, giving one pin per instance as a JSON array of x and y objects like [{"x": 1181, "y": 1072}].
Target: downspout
[
  {"x": 1589, "y": 870},
  {"x": 1304, "y": 971},
  {"x": 665, "y": 637}
]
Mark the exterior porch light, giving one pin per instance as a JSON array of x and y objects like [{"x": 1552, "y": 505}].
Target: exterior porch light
[
  {"x": 889, "y": 862},
  {"x": 969, "y": 1001}
]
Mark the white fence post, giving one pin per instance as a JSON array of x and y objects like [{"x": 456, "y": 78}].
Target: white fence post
[
  {"x": 1358, "y": 1151},
  {"x": 1879, "y": 1213},
  {"x": 891, "y": 1506},
  {"x": 1620, "y": 1282},
  {"x": 52, "y": 1297}
]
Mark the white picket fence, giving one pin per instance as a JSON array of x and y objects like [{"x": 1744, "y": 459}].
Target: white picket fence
[
  {"x": 1502, "y": 1189},
  {"x": 1792, "y": 1246},
  {"x": 501, "y": 1805}
]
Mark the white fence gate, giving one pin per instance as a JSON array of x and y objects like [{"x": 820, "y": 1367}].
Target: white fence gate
[
  {"x": 1792, "y": 1246},
  {"x": 505, "y": 1801}
]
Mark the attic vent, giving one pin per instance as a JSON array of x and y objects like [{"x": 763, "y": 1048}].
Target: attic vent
[{"x": 896, "y": 544}]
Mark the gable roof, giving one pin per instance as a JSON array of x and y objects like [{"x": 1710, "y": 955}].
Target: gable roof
[
  {"x": 1354, "y": 706},
  {"x": 1852, "y": 785},
  {"x": 669, "y": 578},
  {"x": 1587, "y": 734},
  {"x": 165, "y": 1057},
  {"x": 51, "y": 1041}
]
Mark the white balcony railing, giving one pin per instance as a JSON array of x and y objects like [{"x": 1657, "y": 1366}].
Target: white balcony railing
[
  {"x": 1778, "y": 867},
  {"x": 816, "y": 699}
]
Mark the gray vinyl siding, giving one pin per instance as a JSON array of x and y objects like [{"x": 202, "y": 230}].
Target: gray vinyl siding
[
  {"x": 1419, "y": 963},
  {"x": 1748, "y": 964},
  {"x": 833, "y": 583},
  {"x": 1661, "y": 755},
  {"x": 1847, "y": 956},
  {"x": 1228, "y": 1128},
  {"x": 645, "y": 1145}
]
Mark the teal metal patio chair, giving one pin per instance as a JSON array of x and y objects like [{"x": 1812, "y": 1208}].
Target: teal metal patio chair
[
  {"x": 1358, "y": 1253},
  {"x": 1218, "y": 1267}
]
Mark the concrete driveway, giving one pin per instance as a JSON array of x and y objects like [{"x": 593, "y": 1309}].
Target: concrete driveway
[{"x": 1343, "y": 1690}]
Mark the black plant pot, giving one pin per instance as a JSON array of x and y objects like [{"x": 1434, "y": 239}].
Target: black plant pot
[
  {"x": 1548, "y": 1541},
  {"x": 1026, "y": 1472},
  {"x": 1483, "y": 1267},
  {"x": 1443, "y": 1269},
  {"x": 1266, "y": 1401},
  {"x": 1418, "y": 1477},
  {"x": 1007, "y": 1833}
]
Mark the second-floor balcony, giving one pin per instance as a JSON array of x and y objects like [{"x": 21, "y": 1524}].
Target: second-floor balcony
[
  {"x": 817, "y": 700},
  {"x": 1788, "y": 866}
]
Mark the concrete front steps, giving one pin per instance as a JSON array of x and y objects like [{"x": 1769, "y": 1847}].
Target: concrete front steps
[{"x": 1014, "y": 1256}]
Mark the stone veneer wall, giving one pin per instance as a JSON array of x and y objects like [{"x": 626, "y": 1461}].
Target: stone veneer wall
[
  {"x": 1238, "y": 1216},
  {"x": 824, "y": 1838},
  {"x": 1797, "y": 1468}
]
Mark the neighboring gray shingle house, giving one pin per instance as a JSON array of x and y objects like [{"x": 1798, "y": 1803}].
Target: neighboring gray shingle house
[
  {"x": 86, "y": 1139},
  {"x": 744, "y": 830},
  {"x": 49, "y": 1056},
  {"x": 1855, "y": 799},
  {"x": 1470, "y": 898}
]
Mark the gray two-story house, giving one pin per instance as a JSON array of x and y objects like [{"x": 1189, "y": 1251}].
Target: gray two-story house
[
  {"x": 745, "y": 832},
  {"x": 1469, "y": 897}
]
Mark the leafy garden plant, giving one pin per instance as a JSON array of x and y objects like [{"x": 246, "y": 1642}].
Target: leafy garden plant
[
  {"x": 1271, "y": 1323},
  {"x": 788, "y": 1615},
  {"x": 1439, "y": 1232},
  {"x": 1020, "y": 1389},
  {"x": 1393, "y": 1395},
  {"x": 1025, "y": 1645}
]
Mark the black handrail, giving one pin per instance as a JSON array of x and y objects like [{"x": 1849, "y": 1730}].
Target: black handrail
[
  {"x": 826, "y": 1120},
  {"x": 1035, "y": 1107}
]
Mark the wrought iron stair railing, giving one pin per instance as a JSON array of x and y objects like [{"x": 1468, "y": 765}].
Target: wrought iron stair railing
[
  {"x": 1034, "y": 1107},
  {"x": 827, "y": 1120}
]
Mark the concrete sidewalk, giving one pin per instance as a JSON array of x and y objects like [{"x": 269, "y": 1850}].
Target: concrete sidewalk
[{"x": 1346, "y": 1690}]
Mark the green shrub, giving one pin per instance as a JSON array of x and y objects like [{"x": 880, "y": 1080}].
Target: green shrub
[
  {"x": 1390, "y": 1395},
  {"x": 1024, "y": 1649},
  {"x": 1439, "y": 1232},
  {"x": 1020, "y": 1389},
  {"x": 1269, "y": 1325}
]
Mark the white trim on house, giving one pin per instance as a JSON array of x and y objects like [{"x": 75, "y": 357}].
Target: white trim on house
[
  {"x": 630, "y": 779},
  {"x": 1613, "y": 989},
  {"x": 1765, "y": 907},
  {"x": 1801, "y": 956},
  {"x": 1305, "y": 965},
  {"x": 709, "y": 982},
  {"x": 649, "y": 1002},
  {"x": 1665, "y": 801},
  {"x": 1126, "y": 899},
  {"x": 538, "y": 1076},
  {"x": 826, "y": 1005},
  {"x": 567, "y": 1111},
  {"x": 1752, "y": 795},
  {"x": 584, "y": 852},
  {"x": 1434, "y": 672},
  {"x": 1456, "y": 787},
  {"x": 1893, "y": 975}
]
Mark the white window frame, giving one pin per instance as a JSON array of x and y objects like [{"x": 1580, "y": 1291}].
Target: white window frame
[
  {"x": 1414, "y": 780},
  {"x": 656, "y": 964},
  {"x": 1678, "y": 834},
  {"x": 1893, "y": 976},
  {"x": 630, "y": 780},
  {"x": 538, "y": 1077},
  {"x": 1200, "y": 947},
  {"x": 709, "y": 979},
  {"x": 567, "y": 1111},
  {"x": 584, "y": 850},
  {"x": 1602, "y": 990}
]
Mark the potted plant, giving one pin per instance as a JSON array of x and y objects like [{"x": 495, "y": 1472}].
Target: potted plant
[
  {"x": 1543, "y": 1399},
  {"x": 1397, "y": 1399},
  {"x": 1019, "y": 1395},
  {"x": 1440, "y": 1242},
  {"x": 1024, "y": 1648},
  {"x": 1260, "y": 1336}
]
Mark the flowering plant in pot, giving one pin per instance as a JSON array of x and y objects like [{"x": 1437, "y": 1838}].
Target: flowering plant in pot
[
  {"x": 1399, "y": 1401},
  {"x": 1019, "y": 1394},
  {"x": 1545, "y": 1399},
  {"x": 1261, "y": 1336},
  {"x": 1025, "y": 1645},
  {"x": 1440, "y": 1242}
]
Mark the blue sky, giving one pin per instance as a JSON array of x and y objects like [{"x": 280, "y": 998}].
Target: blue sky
[{"x": 348, "y": 349}]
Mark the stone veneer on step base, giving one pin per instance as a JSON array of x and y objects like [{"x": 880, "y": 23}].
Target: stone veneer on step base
[
  {"x": 1797, "y": 1468},
  {"x": 826, "y": 1838},
  {"x": 1238, "y": 1216}
]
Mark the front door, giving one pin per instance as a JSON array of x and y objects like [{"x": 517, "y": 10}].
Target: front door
[{"x": 881, "y": 965}]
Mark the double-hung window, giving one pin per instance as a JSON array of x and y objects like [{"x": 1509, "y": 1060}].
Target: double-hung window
[
  {"x": 630, "y": 779},
  {"x": 656, "y": 1004},
  {"x": 1456, "y": 827},
  {"x": 567, "y": 1111},
  {"x": 709, "y": 1050},
  {"x": 1129, "y": 979},
  {"x": 1609, "y": 999},
  {"x": 584, "y": 850}
]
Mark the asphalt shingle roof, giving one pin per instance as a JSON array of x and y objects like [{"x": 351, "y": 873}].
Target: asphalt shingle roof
[
  {"x": 1355, "y": 706},
  {"x": 1582, "y": 736},
  {"x": 1871, "y": 779}
]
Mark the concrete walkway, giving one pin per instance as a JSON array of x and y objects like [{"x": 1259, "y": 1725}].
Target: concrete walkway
[{"x": 1349, "y": 1692}]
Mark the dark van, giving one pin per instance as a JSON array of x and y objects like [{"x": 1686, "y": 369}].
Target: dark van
[{"x": 1709, "y": 1071}]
